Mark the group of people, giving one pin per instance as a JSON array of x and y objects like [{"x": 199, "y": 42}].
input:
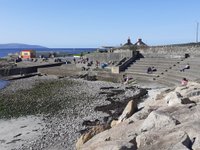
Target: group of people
[
  {"x": 151, "y": 69},
  {"x": 184, "y": 81}
]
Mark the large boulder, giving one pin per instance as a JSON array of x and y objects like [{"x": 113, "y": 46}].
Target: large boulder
[
  {"x": 182, "y": 113},
  {"x": 173, "y": 98},
  {"x": 129, "y": 110},
  {"x": 193, "y": 130},
  {"x": 124, "y": 132},
  {"x": 158, "y": 120},
  {"x": 112, "y": 145},
  {"x": 92, "y": 132},
  {"x": 177, "y": 140},
  {"x": 170, "y": 121},
  {"x": 191, "y": 91}
]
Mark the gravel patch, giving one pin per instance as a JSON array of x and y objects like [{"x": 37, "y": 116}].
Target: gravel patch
[{"x": 61, "y": 129}]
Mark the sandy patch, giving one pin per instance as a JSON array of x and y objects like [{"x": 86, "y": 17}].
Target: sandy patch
[{"x": 15, "y": 132}]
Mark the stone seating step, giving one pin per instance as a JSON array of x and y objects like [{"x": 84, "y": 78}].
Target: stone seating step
[
  {"x": 177, "y": 76},
  {"x": 141, "y": 74},
  {"x": 191, "y": 65},
  {"x": 144, "y": 67},
  {"x": 187, "y": 72},
  {"x": 165, "y": 82},
  {"x": 191, "y": 61},
  {"x": 160, "y": 58},
  {"x": 158, "y": 72},
  {"x": 170, "y": 80},
  {"x": 154, "y": 61}
]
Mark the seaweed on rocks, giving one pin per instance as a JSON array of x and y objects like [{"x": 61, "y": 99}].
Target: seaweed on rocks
[
  {"x": 118, "y": 99},
  {"x": 106, "y": 88},
  {"x": 64, "y": 105},
  {"x": 41, "y": 99}
]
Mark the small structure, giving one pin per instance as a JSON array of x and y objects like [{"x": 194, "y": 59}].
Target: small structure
[
  {"x": 140, "y": 43},
  {"x": 28, "y": 54},
  {"x": 128, "y": 42}
]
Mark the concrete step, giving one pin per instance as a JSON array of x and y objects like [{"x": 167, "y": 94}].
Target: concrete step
[
  {"x": 161, "y": 61},
  {"x": 153, "y": 64},
  {"x": 140, "y": 74},
  {"x": 160, "y": 58},
  {"x": 188, "y": 73},
  {"x": 190, "y": 62},
  {"x": 174, "y": 77},
  {"x": 159, "y": 71},
  {"x": 169, "y": 80},
  {"x": 165, "y": 82},
  {"x": 145, "y": 67}
]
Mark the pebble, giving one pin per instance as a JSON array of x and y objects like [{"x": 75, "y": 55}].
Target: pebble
[{"x": 62, "y": 129}]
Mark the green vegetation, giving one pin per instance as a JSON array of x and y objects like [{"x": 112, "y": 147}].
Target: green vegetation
[
  {"x": 3, "y": 59},
  {"x": 77, "y": 55},
  {"x": 82, "y": 54},
  {"x": 44, "y": 98}
]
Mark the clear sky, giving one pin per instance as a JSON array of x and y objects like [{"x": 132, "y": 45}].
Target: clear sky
[{"x": 94, "y": 23}]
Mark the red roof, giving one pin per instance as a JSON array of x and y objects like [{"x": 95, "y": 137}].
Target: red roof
[{"x": 26, "y": 50}]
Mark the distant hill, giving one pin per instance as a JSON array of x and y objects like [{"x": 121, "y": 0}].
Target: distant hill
[{"x": 19, "y": 45}]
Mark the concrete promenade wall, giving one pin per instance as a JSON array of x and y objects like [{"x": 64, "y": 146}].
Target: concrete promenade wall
[
  {"x": 63, "y": 70},
  {"x": 25, "y": 70},
  {"x": 17, "y": 71},
  {"x": 107, "y": 76},
  {"x": 106, "y": 57},
  {"x": 171, "y": 51}
]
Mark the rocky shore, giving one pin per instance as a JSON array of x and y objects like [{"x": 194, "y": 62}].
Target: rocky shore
[
  {"x": 169, "y": 121},
  {"x": 53, "y": 113},
  {"x": 66, "y": 108}
]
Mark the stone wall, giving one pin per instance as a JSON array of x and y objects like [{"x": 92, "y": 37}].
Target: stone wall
[
  {"x": 17, "y": 71},
  {"x": 117, "y": 69},
  {"x": 25, "y": 70},
  {"x": 107, "y": 76},
  {"x": 171, "y": 51},
  {"x": 106, "y": 57},
  {"x": 64, "y": 70}
]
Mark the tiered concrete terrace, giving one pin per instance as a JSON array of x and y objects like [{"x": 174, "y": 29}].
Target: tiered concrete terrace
[{"x": 168, "y": 60}]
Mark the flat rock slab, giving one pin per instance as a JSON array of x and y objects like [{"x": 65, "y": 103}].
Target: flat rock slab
[{"x": 15, "y": 132}]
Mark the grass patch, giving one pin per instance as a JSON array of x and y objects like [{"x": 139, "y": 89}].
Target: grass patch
[{"x": 43, "y": 98}]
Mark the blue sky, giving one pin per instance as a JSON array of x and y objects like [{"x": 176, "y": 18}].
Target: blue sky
[{"x": 94, "y": 23}]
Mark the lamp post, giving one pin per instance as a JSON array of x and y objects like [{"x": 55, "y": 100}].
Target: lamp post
[{"x": 197, "y": 32}]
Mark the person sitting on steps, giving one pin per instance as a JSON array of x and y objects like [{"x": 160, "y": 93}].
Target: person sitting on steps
[
  {"x": 184, "y": 81},
  {"x": 153, "y": 69},
  {"x": 186, "y": 67},
  {"x": 126, "y": 79},
  {"x": 149, "y": 70}
]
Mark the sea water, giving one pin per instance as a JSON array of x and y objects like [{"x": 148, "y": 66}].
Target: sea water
[
  {"x": 3, "y": 83},
  {"x": 6, "y": 52}
]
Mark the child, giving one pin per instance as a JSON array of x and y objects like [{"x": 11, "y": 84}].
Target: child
[{"x": 184, "y": 81}]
